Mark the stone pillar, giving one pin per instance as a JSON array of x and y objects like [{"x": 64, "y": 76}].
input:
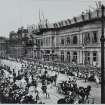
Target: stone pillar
[
  {"x": 71, "y": 54},
  {"x": 80, "y": 57},
  {"x": 83, "y": 56},
  {"x": 99, "y": 58}
]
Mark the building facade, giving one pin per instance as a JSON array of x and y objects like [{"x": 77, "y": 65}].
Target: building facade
[
  {"x": 76, "y": 40},
  {"x": 20, "y": 44}
]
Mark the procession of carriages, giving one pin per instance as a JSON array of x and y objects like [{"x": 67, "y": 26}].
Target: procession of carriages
[{"x": 67, "y": 87}]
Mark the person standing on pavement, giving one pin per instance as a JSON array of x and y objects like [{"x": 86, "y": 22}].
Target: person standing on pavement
[
  {"x": 86, "y": 76},
  {"x": 97, "y": 80},
  {"x": 44, "y": 88}
]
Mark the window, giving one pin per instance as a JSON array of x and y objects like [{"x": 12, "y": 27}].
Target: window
[
  {"x": 69, "y": 21},
  {"x": 68, "y": 40},
  {"x": 38, "y": 42},
  {"x": 74, "y": 57},
  {"x": 41, "y": 42},
  {"x": 68, "y": 56},
  {"x": 60, "y": 24},
  {"x": 47, "y": 53},
  {"x": 66, "y": 23},
  {"x": 53, "y": 40},
  {"x": 55, "y": 25},
  {"x": 87, "y": 38},
  {"x": 62, "y": 41},
  {"x": 95, "y": 39},
  {"x": 46, "y": 41},
  {"x": 75, "y": 40},
  {"x": 94, "y": 56},
  {"x": 87, "y": 58},
  {"x": 62, "y": 56}
]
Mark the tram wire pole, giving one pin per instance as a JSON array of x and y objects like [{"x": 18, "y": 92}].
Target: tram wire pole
[{"x": 102, "y": 58}]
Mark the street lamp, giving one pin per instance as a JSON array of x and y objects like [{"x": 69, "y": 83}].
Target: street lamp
[{"x": 102, "y": 59}]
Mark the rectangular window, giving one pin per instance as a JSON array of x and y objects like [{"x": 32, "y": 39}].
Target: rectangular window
[
  {"x": 62, "y": 41},
  {"x": 94, "y": 56},
  {"x": 95, "y": 38},
  {"x": 87, "y": 57},
  {"x": 87, "y": 38},
  {"x": 62, "y": 56},
  {"x": 68, "y": 40},
  {"x": 75, "y": 39}
]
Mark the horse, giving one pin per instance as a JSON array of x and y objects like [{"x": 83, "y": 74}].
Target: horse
[
  {"x": 61, "y": 101},
  {"x": 84, "y": 92},
  {"x": 51, "y": 79},
  {"x": 66, "y": 100},
  {"x": 87, "y": 91},
  {"x": 81, "y": 92},
  {"x": 18, "y": 77}
]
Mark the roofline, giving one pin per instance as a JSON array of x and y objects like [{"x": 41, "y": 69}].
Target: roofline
[{"x": 77, "y": 24}]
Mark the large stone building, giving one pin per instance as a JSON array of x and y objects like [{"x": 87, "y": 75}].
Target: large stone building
[
  {"x": 20, "y": 44},
  {"x": 73, "y": 40}
]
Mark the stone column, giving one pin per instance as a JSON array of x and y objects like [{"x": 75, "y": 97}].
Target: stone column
[{"x": 80, "y": 57}]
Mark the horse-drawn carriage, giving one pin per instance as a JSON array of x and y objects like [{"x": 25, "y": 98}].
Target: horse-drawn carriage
[
  {"x": 72, "y": 93},
  {"x": 64, "y": 87},
  {"x": 76, "y": 100}
]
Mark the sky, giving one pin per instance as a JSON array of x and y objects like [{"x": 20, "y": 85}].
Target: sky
[{"x": 17, "y": 13}]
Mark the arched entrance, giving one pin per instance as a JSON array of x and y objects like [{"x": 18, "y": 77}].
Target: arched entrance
[
  {"x": 74, "y": 57},
  {"x": 62, "y": 56},
  {"x": 68, "y": 57}
]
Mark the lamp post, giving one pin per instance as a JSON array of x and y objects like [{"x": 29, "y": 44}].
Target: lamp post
[{"x": 102, "y": 59}]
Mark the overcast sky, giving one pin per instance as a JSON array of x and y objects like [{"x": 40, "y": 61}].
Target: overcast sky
[{"x": 17, "y": 13}]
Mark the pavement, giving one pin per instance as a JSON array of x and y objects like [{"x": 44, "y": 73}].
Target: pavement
[{"x": 54, "y": 95}]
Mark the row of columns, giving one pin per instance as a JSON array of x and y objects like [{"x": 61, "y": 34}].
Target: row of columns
[{"x": 80, "y": 56}]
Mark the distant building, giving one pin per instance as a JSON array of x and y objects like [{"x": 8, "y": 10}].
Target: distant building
[
  {"x": 16, "y": 44},
  {"x": 3, "y": 47}
]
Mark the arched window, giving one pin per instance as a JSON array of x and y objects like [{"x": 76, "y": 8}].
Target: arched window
[
  {"x": 68, "y": 40},
  {"x": 75, "y": 40},
  {"x": 74, "y": 57},
  {"x": 68, "y": 57},
  {"x": 62, "y": 56}
]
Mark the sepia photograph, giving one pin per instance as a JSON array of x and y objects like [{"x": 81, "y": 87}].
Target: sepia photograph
[{"x": 52, "y": 51}]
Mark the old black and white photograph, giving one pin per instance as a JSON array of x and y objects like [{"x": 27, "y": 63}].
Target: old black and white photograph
[{"x": 52, "y": 51}]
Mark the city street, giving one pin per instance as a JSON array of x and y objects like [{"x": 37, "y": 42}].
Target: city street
[
  {"x": 52, "y": 52},
  {"x": 52, "y": 90}
]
